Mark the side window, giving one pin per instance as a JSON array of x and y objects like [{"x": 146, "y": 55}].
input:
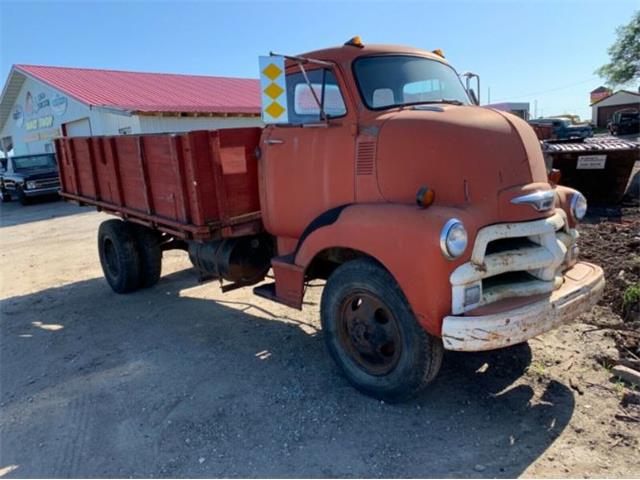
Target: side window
[{"x": 303, "y": 105}]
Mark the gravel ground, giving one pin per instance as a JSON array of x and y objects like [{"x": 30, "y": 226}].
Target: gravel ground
[{"x": 182, "y": 381}]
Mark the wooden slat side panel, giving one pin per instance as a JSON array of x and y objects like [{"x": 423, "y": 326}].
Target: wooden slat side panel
[
  {"x": 169, "y": 179},
  {"x": 104, "y": 173},
  {"x": 163, "y": 179},
  {"x": 202, "y": 167},
  {"x": 130, "y": 174},
  {"x": 195, "y": 206},
  {"x": 182, "y": 194},
  {"x": 82, "y": 155},
  {"x": 242, "y": 188},
  {"x": 64, "y": 166},
  {"x": 218, "y": 180}
]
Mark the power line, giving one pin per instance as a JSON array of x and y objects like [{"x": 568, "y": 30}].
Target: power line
[{"x": 513, "y": 97}]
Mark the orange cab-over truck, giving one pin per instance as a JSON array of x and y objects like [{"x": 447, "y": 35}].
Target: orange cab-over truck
[{"x": 431, "y": 218}]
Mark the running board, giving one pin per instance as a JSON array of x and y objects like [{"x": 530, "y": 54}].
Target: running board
[{"x": 288, "y": 289}]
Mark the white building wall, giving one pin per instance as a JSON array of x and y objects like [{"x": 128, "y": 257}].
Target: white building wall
[
  {"x": 157, "y": 124},
  {"x": 114, "y": 123},
  {"x": 37, "y": 115}
]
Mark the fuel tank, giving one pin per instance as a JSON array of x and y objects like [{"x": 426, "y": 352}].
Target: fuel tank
[{"x": 468, "y": 155}]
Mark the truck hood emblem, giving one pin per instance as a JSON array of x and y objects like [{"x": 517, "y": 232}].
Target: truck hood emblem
[{"x": 540, "y": 201}]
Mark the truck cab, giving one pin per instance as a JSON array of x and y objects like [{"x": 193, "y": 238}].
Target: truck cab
[{"x": 394, "y": 176}]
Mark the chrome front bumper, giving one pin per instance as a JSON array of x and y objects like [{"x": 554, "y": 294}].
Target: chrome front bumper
[{"x": 581, "y": 289}]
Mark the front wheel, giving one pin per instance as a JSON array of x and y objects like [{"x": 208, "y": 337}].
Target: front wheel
[
  {"x": 4, "y": 196},
  {"x": 22, "y": 197},
  {"x": 372, "y": 334}
]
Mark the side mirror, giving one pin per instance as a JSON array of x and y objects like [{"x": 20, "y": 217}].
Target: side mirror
[{"x": 474, "y": 97}]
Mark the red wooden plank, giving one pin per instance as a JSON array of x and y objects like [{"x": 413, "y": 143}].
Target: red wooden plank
[
  {"x": 92, "y": 165},
  {"x": 146, "y": 184},
  {"x": 74, "y": 166},
  {"x": 178, "y": 165},
  {"x": 195, "y": 198},
  {"x": 115, "y": 162},
  {"x": 218, "y": 177}
]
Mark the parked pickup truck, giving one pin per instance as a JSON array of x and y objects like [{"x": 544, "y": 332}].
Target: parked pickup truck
[
  {"x": 431, "y": 219},
  {"x": 563, "y": 129},
  {"x": 28, "y": 176},
  {"x": 625, "y": 123}
]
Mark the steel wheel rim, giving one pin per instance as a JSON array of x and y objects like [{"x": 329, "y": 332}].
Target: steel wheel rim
[{"x": 369, "y": 333}]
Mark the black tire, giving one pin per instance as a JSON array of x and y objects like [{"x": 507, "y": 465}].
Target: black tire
[
  {"x": 22, "y": 198},
  {"x": 119, "y": 256},
  {"x": 4, "y": 196},
  {"x": 148, "y": 244},
  {"x": 396, "y": 365}
]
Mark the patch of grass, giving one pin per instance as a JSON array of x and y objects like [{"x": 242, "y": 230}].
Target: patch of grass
[
  {"x": 619, "y": 386},
  {"x": 631, "y": 296},
  {"x": 606, "y": 366},
  {"x": 537, "y": 367}
]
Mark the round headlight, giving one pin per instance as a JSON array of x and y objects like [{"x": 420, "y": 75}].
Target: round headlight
[
  {"x": 453, "y": 239},
  {"x": 31, "y": 185},
  {"x": 578, "y": 206}
]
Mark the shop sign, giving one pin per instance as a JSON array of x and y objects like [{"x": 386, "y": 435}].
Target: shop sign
[
  {"x": 42, "y": 122},
  {"x": 59, "y": 105}
]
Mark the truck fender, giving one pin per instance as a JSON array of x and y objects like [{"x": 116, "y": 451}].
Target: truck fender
[{"x": 402, "y": 238}]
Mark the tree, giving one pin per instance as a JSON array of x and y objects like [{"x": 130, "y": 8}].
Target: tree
[{"x": 624, "y": 55}]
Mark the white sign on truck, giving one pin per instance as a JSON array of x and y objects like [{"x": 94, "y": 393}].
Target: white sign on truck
[{"x": 273, "y": 90}]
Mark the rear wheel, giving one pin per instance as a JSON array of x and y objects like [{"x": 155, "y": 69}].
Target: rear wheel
[
  {"x": 148, "y": 244},
  {"x": 372, "y": 334},
  {"x": 119, "y": 256}
]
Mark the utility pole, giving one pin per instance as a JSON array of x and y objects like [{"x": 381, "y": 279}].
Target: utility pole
[
  {"x": 535, "y": 108},
  {"x": 489, "y": 95}
]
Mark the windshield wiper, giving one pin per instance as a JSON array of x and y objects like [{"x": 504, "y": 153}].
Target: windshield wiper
[{"x": 445, "y": 100}]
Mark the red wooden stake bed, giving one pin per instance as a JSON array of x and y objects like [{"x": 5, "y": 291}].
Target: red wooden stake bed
[{"x": 199, "y": 185}]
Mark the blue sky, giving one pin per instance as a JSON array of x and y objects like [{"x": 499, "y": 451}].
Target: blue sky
[{"x": 524, "y": 51}]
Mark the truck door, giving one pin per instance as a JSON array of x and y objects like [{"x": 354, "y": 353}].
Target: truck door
[{"x": 307, "y": 165}]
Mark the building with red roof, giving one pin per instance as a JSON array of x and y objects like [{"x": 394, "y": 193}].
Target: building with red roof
[{"x": 39, "y": 103}]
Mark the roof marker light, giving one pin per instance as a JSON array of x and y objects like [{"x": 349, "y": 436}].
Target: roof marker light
[{"x": 354, "y": 42}]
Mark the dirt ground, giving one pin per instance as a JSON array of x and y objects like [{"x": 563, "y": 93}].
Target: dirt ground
[{"x": 182, "y": 381}]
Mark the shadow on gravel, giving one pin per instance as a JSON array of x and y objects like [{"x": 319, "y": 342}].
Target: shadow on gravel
[
  {"x": 41, "y": 208},
  {"x": 158, "y": 383}
]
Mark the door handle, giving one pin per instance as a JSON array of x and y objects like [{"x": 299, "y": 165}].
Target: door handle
[{"x": 273, "y": 141}]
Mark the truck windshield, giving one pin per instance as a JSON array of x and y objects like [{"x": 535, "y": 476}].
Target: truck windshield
[
  {"x": 34, "y": 161},
  {"x": 396, "y": 80}
]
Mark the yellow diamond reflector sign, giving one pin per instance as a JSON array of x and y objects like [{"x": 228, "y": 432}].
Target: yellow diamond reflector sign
[
  {"x": 272, "y": 71},
  {"x": 275, "y": 110},
  {"x": 273, "y": 90}
]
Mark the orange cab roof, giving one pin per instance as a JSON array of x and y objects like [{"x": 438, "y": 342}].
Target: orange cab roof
[{"x": 347, "y": 53}]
